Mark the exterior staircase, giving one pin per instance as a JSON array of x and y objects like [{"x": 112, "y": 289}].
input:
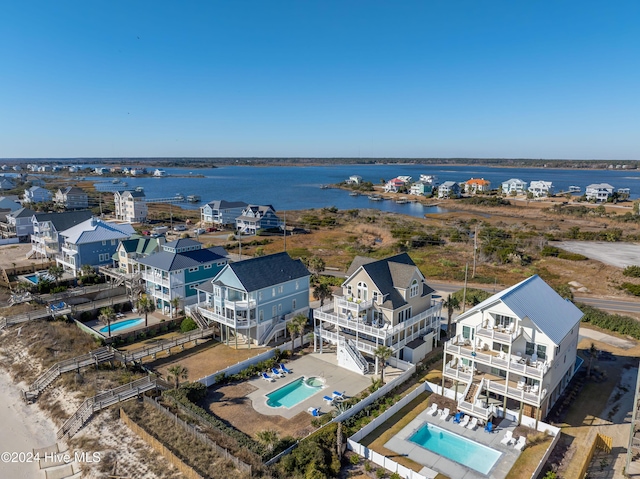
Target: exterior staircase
[
  {"x": 359, "y": 359},
  {"x": 471, "y": 393},
  {"x": 138, "y": 354},
  {"x": 198, "y": 318},
  {"x": 104, "y": 400},
  {"x": 95, "y": 357}
]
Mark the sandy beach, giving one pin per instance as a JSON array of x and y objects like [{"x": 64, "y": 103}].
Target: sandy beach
[{"x": 24, "y": 427}]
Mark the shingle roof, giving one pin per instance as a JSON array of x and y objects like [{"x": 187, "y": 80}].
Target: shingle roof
[
  {"x": 93, "y": 230},
  {"x": 133, "y": 193},
  {"x": 265, "y": 271},
  {"x": 167, "y": 261},
  {"x": 65, "y": 220},
  {"x": 22, "y": 213},
  {"x": 535, "y": 299},
  {"x": 72, "y": 190},
  {"x": 222, "y": 204},
  {"x": 140, "y": 244},
  {"x": 182, "y": 243},
  {"x": 389, "y": 274}
]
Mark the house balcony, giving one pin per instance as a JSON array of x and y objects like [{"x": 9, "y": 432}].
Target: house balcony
[
  {"x": 244, "y": 305},
  {"x": 354, "y": 306},
  {"x": 237, "y": 323},
  {"x": 155, "y": 278},
  {"x": 67, "y": 262},
  {"x": 515, "y": 362},
  {"x": 69, "y": 249},
  {"x": 158, "y": 294},
  {"x": 499, "y": 334}
]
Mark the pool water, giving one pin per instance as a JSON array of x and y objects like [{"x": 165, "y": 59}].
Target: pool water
[
  {"x": 457, "y": 448},
  {"x": 127, "y": 323},
  {"x": 294, "y": 392},
  {"x": 33, "y": 278}
]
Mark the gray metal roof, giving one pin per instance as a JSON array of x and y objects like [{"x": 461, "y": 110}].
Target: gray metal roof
[
  {"x": 94, "y": 230},
  {"x": 64, "y": 220},
  {"x": 167, "y": 261},
  {"x": 22, "y": 213},
  {"x": 222, "y": 204},
  {"x": 266, "y": 271},
  {"x": 535, "y": 299}
]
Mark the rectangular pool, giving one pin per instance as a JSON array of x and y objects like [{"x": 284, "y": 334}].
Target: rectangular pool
[
  {"x": 464, "y": 451},
  {"x": 294, "y": 392}
]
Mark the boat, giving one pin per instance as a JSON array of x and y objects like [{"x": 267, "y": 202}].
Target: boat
[
  {"x": 354, "y": 193},
  {"x": 375, "y": 197},
  {"x": 139, "y": 189},
  {"x": 124, "y": 183},
  {"x": 179, "y": 196},
  {"x": 116, "y": 181},
  {"x": 574, "y": 189},
  {"x": 402, "y": 200},
  {"x": 193, "y": 199},
  {"x": 159, "y": 173},
  {"x": 324, "y": 187}
]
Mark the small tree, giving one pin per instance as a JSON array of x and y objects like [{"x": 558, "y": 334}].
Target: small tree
[
  {"x": 268, "y": 437},
  {"x": 56, "y": 271},
  {"x": 175, "y": 304},
  {"x": 107, "y": 315},
  {"x": 450, "y": 304},
  {"x": 176, "y": 373},
  {"x": 146, "y": 306},
  {"x": 382, "y": 353},
  {"x": 593, "y": 354},
  {"x": 321, "y": 292}
]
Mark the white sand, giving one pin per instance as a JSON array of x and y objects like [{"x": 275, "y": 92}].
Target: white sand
[{"x": 23, "y": 428}]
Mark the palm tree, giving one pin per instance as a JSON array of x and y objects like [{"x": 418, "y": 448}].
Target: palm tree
[
  {"x": 146, "y": 306},
  {"x": 300, "y": 320},
  {"x": 56, "y": 271},
  {"x": 382, "y": 353},
  {"x": 321, "y": 292},
  {"x": 176, "y": 373},
  {"x": 316, "y": 265},
  {"x": 268, "y": 437},
  {"x": 107, "y": 315},
  {"x": 87, "y": 270},
  {"x": 339, "y": 440},
  {"x": 293, "y": 329},
  {"x": 175, "y": 304},
  {"x": 451, "y": 303}
]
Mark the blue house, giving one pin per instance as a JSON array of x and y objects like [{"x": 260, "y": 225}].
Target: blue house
[
  {"x": 176, "y": 270},
  {"x": 222, "y": 212},
  {"x": 253, "y": 300},
  {"x": 257, "y": 217},
  {"x": 91, "y": 242}
]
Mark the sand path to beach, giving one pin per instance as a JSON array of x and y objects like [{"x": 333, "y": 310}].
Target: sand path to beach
[{"x": 22, "y": 428}]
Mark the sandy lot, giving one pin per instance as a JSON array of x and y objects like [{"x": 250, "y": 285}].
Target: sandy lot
[{"x": 615, "y": 254}]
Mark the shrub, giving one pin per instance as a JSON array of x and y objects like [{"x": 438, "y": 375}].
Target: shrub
[
  {"x": 194, "y": 391},
  {"x": 631, "y": 288},
  {"x": 188, "y": 324},
  {"x": 354, "y": 460},
  {"x": 315, "y": 456},
  {"x": 633, "y": 271},
  {"x": 613, "y": 322}
]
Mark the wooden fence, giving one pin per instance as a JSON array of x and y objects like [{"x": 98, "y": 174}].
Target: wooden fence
[
  {"x": 221, "y": 451},
  {"x": 186, "y": 470},
  {"x": 600, "y": 441}
]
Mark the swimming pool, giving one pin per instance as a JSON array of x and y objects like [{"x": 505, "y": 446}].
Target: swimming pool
[
  {"x": 294, "y": 392},
  {"x": 127, "y": 323},
  {"x": 33, "y": 278},
  {"x": 457, "y": 448}
]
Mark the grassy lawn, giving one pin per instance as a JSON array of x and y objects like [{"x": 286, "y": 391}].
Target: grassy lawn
[{"x": 527, "y": 462}]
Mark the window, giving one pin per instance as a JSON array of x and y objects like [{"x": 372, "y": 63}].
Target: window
[
  {"x": 375, "y": 296},
  {"x": 113, "y": 242},
  {"x": 542, "y": 351},
  {"x": 293, "y": 305},
  {"x": 194, "y": 269},
  {"x": 261, "y": 315},
  {"x": 260, "y": 295},
  {"x": 274, "y": 311},
  {"x": 297, "y": 285},
  {"x": 349, "y": 292},
  {"x": 362, "y": 291},
  {"x": 467, "y": 332},
  {"x": 530, "y": 348},
  {"x": 279, "y": 307},
  {"x": 192, "y": 286},
  {"x": 273, "y": 292},
  {"x": 122, "y": 253},
  {"x": 504, "y": 321},
  {"x": 207, "y": 266},
  {"x": 414, "y": 288},
  {"x": 104, "y": 242},
  {"x": 280, "y": 289}
]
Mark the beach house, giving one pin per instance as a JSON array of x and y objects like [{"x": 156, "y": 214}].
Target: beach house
[
  {"x": 175, "y": 271},
  {"x": 130, "y": 206},
  {"x": 72, "y": 198},
  {"x": 540, "y": 188},
  {"x": 515, "y": 351},
  {"x": 394, "y": 185},
  {"x": 91, "y": 242},
  {"x": 222, "y": 212},
  {"x": 354, "y": 180},
  {"x": 514, "y": 186},
  {"x": 449, "y": 189},
  {"x": 477, "y": 185},
  {"x": 421, "y": 189},
  {"x": 6, "y": 184},
  {"x": 37, "y": 194},
  {"x": 252, "y": 301},
  {"x": 18, "y": 224},
  {"x": 46, "y": 241},
  {"x": 134, "y": 248},
  {"x": 257, "y": 217},
  {"x": 382, "y": 302},
  {"x": 599, "y": 192}
]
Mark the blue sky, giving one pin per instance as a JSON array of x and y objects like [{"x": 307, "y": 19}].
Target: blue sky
[{"x": 523, "y": 79}]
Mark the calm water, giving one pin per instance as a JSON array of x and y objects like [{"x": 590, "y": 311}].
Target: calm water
[
  {"x": 291, "y": 394},
  {"x": 296, "y": 188},
  {"x": 127, "y": 323}
]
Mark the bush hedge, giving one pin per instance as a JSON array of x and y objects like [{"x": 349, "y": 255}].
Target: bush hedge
[
  {"x": 632, "y": 271},
  {"x": 612, "y": 322}
]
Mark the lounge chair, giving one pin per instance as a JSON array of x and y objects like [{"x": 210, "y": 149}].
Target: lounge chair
[
  {"x": 284, "y": 369},
  {"x": 278, "y": 373},
  {"x": 266, "y": 377},
  {"x": 472, "y": 425},
  {"x": 338, "y": 395},
  {"x": 329, "y": 400},
  {"x": 432, "y": 410},
  {"x": 444, "y": 414},
  {"x": 522, "y": 441},
  {"x": 489, "y": 427},
  {"x": 314, "y": 411},
  {"x": 507, "y": 439},
  {"x": 465, "y": 421},
  {"x": 457, "y": 417}
]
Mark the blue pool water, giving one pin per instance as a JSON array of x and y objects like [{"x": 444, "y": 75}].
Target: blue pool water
[
  {"x": 33, "y": 278},
  {"x": 127, "y": 323},
  {"x": 457, "y": 448},
  {"x": 294, "y": 392}
]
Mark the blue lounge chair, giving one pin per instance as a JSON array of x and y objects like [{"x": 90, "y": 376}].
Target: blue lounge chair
[
  {"x": 277, "y": 372},
  {"x": 458, "y": 417},
  {"x": 338, "y": 395},
  {"x": 266, "y": 377},
  {"x": 314, "y": 411},
  {"x": 489, "y": 427},
  {"x": 328, "y": 399},
  {"x": 284, "y": 368}
]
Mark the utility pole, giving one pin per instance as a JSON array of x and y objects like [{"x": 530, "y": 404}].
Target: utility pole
[
  {"x": 285, "y": 231},
  {"x": 475, "y": 249},
  {"x": 464, "y": 291}
]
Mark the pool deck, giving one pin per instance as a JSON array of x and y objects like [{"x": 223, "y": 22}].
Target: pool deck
[
  {"x": 96, "y": 325},
  {"x": 323, "y": 366},
  {"x": 435, "y": 463}
]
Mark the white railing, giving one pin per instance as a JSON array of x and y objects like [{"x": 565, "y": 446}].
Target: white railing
[
  {"x": 356, "y": 356},
  {"x": 356, "y": 306},
  {"x": 433, "y": 312},
  {"x": 232, "y": 322},
  {"x": 240, "y": 305},
  {"x": 155, "y": 278},
  {"x": 499, "y": 335}
]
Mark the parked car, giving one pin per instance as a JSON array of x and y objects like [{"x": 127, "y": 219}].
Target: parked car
[
  {"x": 180, "y": 228},
  {"x": 210, "y": 229},
  {"x": 199, "y": 231},
  {"x": 146, "y": 233},
  {"x": 160, "y": 229}
]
